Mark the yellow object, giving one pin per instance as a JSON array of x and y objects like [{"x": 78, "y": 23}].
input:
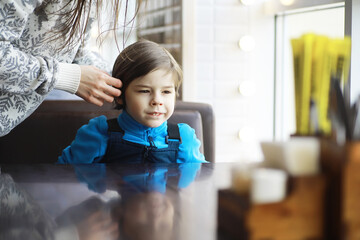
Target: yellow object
[
  {"x": 321, "y": 83},
  {"x": 317, "y": 59}
]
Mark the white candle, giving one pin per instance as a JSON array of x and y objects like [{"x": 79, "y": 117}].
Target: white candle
[
  {"x": 267, "y": 185},
  {"x": 302, "y": 155}
]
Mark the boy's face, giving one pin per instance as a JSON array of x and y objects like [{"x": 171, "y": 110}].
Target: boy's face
[{"x": 150, "y": 99}]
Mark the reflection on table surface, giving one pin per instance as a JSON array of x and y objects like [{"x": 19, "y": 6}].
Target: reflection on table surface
[{"x": 150, "y": 201}]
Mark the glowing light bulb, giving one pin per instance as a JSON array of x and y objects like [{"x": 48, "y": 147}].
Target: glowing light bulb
[
  {"x": 287, "y": 2},
  {"x": 247, "y": 43},
  {"x": 246, "y": 134},
  {"x": 247, "y": 88}
]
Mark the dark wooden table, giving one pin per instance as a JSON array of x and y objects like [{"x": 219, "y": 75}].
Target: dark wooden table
[{"x": 146, "y": 201}]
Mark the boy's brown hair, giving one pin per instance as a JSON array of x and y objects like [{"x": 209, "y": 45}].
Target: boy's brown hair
[{"x": 139, "y": 59}]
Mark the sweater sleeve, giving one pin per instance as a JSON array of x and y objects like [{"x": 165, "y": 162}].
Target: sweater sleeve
[
  {"x": 89, "y": 145},
  {"x": 68, "y": 77},
  {"x": 189, "y": 149},
  {"x": 20, "y": 72}
]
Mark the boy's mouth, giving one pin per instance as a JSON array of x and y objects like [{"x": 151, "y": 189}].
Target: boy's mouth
[{"x": 155, "y": 114}]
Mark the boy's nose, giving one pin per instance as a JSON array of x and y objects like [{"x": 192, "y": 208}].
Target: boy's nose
[{"x": 156, "y": 101}]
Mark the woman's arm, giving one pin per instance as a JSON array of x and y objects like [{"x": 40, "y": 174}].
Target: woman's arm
[
  {"x": 20, "y": 72},
  {"x": 27, "y": 76},
  {"x": 25, "y": 79}
]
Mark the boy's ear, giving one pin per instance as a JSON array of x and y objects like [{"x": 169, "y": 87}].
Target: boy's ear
[{"x": 119, "y": 100}]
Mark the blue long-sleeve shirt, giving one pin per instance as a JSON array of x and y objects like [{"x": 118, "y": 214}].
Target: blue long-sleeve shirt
[{"x": 91, "y": 140}]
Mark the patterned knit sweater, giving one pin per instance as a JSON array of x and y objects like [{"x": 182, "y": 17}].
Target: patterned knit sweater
[{"x": 30, "y": 66}]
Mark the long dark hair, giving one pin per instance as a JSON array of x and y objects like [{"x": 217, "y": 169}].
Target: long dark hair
[
  {"x": 75, "y": 26},
  {"x": 139, "y": 59}
]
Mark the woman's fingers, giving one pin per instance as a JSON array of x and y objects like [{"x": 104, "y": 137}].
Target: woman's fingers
[
  {"x": 113, "y": 82},
  {"x": 96, "y": 86},
  {"x": 111, "y": 91},
  {"x": 95, "y": 100}
]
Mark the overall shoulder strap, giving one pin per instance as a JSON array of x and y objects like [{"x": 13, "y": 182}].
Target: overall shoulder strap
[
  {"x": 173, "y": 133},
  {"x": 114, "y": 125}
]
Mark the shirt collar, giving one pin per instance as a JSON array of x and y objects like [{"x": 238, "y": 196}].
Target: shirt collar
[{"x": 129, "y": 124}]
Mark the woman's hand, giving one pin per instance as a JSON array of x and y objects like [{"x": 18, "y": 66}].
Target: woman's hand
[{"x": 97, "y": 86}]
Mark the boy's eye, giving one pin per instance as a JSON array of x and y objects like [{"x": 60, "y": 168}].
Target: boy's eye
[
  {"x": 143, "y": 91},
  {"x": 167, "y": 91}
]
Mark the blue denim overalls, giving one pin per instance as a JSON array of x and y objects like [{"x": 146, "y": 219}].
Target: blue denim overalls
[{"x": 120, "y": 150}]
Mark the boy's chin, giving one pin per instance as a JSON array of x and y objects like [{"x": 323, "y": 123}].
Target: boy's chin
[{"x": 153, "y": 123}]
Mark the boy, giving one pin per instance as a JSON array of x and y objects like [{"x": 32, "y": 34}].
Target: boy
[{"x": 151, "y": 79}]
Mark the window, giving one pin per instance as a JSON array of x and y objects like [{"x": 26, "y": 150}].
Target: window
[{"x": 327, "y": 20}]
